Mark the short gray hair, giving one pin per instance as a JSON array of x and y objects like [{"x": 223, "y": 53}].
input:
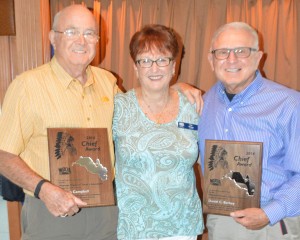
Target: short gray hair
[{"x": 236, "y": 25}]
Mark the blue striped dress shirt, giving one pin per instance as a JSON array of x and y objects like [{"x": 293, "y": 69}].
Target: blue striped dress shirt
[{"x": 264, "y": 112}]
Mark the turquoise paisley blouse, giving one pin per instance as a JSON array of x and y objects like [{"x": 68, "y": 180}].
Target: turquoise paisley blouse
[{"x": 155, "y": 181}]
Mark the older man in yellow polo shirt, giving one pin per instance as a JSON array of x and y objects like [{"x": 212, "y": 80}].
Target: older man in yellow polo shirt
[{"x": 66, "y": 92}]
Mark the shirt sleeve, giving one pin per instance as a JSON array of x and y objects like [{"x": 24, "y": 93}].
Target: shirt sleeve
[
  {"x": 16, "y": 126},
  {"x": 287, "y": 197}
]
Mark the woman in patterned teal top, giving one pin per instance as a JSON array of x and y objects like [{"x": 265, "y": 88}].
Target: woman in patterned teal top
[{"x": 155, "y": 138}]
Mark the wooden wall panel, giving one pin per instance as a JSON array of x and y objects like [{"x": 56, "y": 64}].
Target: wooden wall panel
[
  {"x": 29, "y": 34},
  {"x": 45, "y": 22},
  {"x": 14, "y": 210},
  {"x": 5, "y": 65},
  {"x": 30, "y": 47},
  {"x": 7, "y": 18}
]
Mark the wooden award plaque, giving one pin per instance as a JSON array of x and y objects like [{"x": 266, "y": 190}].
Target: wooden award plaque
[
  {"x": 232, "y": 176},
  {"x": 80, "y": 162}
]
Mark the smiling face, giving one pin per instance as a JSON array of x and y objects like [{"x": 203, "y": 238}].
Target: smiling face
[
  {"x": 74, "y": 55},
  {"x": 235, "y": 73},
  {"x": 155, "y": 78}
]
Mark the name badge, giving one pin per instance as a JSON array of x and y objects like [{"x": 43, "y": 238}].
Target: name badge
[{"x": 188, "y": 126}]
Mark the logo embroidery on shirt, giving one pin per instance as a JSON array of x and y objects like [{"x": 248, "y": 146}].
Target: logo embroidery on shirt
[{"x": 105, "y": 99}]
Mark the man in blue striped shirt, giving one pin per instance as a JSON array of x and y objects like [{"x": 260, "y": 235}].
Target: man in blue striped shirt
[{"x": 244, "y": 106}]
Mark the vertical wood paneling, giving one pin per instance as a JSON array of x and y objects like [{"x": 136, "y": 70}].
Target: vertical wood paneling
[
  {"x": 29, "y": 34},
  {"x": 14, "y": 209},
  {"x": 30, "y": 47},
  {"x": 45, "y": 28},
  {"x": 5, "y": 65}
]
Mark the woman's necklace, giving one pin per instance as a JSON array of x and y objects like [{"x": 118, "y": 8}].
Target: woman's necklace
[{"x": 157, "y": 116}]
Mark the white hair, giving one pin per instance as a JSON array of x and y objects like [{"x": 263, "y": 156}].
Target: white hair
[{"x": 237, "y": 25}]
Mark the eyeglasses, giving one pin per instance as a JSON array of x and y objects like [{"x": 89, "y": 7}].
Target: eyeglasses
[
  {"x": 241, "y": 52},
  {"x": 74, "y": 34},
  {"x": 147, "y": 63}
]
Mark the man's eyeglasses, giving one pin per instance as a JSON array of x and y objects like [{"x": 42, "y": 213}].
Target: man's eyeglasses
[
  {"x": 241, "y": 52},
  {"x": 161, "y": 62},
  {"x": 73, "y": 34}
]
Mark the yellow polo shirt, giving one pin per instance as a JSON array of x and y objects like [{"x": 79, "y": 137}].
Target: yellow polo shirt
[{"x": 48, "y": 97}]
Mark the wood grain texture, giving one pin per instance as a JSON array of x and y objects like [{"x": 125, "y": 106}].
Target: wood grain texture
[
  {"x": 232, "y": 176},
  {"x": 7, "y": 18}
]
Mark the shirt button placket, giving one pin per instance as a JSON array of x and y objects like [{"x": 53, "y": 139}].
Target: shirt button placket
[{"x": 227, "y": 121}]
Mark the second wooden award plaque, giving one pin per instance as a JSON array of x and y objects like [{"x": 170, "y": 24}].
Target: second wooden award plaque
[
  {"x": 232, "y": 176},
  {"x": 80, "y": 163}
]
